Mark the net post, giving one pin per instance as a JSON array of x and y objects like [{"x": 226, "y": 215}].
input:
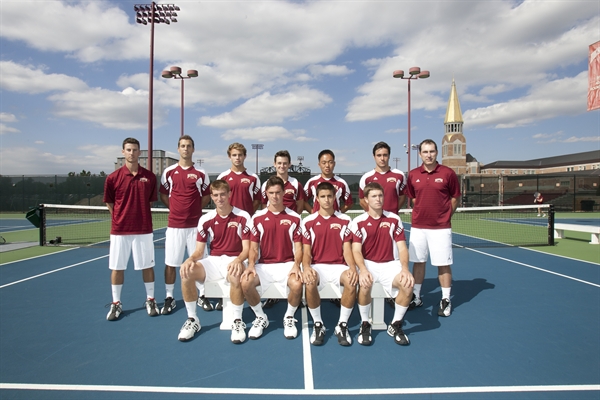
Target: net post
[
  {"x": 551, "y": 225},
  {"x": 42, "y": 211}
]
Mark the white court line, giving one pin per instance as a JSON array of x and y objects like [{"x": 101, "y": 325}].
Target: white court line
[
  {"x": 307, "y": 357},
  {"x": 53, "y": 271},
  {"x": 41, "y": 255},
  {"x": 533, "y": 267},
  {"x": 321, "y": 392}
]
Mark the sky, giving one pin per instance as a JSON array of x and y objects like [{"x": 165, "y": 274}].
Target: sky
[{"x": 297, "y": 75}]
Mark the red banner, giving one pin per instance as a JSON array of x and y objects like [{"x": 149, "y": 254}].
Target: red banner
[{"x": 594, "y": 77}]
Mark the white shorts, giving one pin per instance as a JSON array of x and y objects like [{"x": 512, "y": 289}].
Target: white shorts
[
  {"x": 121, "y": 246},
  {"x": 384, "y": 273},
  {"x": 216, "y": 267},
  {"x": 329, "y": 274},
  {"x": 176, "y": 242},
  {"x": 274, "y": 274},
  {"x": 434, "y": 242}
]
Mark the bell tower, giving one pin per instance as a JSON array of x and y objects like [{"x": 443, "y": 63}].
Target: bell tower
[{"x": 454, "y": 144}]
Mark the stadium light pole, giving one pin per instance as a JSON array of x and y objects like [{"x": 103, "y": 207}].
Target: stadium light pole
[
  {"x": 153, "y": 14},
  {"x": 415, "y": 147},
  {"x": 413, "y": 73},
  {"x": 200, "y": 161},
  {"x": 258, "y": 147},
  {"x": 396, "y": 159},
  {"x": 175, "y": 73}
]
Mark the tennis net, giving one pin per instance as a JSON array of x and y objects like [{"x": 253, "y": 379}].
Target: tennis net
[
  {"x": 498, "y": 226},
  {"x": 471, "y": 226},
  {"x": 87, "y": 225}
]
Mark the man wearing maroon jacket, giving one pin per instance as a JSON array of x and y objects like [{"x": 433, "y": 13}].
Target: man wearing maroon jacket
[
  {"x": 435, "y": 191},
  {"x": 128, "y": 194},
  {"x": 274, "y": 259},
  {"x": 184, "y": 189},
  {"x": 379, "y": 248}
]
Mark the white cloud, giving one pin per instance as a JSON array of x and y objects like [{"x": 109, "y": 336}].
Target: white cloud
[
  {"x": 265, "y": 134},
  {"x": 334, "y": 70},
  {"x": 32, "y": 80},
  {"x": 4, "y": 129},
  {"x": 545, "y": 101},
  {"x": 268, "y": 108},
  {"x": 7, "y": 117}
]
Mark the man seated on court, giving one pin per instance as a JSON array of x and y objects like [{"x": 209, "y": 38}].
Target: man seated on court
[
  {"x": 327, "y": 258},
  {"x": 274, "y": 259},
  {"x": 379, "y": 248},
  {"x": 228, "y": 229}
]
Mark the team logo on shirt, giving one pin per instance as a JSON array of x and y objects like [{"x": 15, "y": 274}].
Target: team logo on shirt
[
  {"x": 192, "y": 176},
  {"x": 391, "y": 180},
  {"x": 290, "y": 191},
  {"x": 245, "y": 180},
  {"x": 439, "y": 180},
  {"x": 232, "y": 224},
  {"x": 143, "y": 179},
  {"x": 285, "y": 222},
  {"x": 335, "y": 226},
  {"x": 385, "y": 225},
  {"x": 417, "y": 181}
]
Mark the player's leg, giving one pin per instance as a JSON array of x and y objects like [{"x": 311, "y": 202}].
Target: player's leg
[
  {"x": 401, "y": 303},
  {"x": 418, "y": 251},
  {"x": 249, "y": 289},
  {"x": 313, "y": 300},
  {"x": 364, "y": 308},
  {"x": 346, "y": 306},
  {"x": 189, "y": 293},
  {"x": 120, "y": 249},
  {"x": 142, "y": 249},
  {"x": 294, "y": 296},
  {"x": 442, "y": 257}
]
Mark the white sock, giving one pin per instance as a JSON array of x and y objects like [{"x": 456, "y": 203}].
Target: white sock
[
  {"x": 258, "y": 310},
  {"x": 399, "y": 312},
  {"x": 364, "y": 312},
  {"x": 237, "y": 310},
  {"x": 446, "y": 292},
  {"x": 149, "y": 289},
  {"x": 417, "y": 290},
  {"x": 116, "y": 292},
  {"x": 170, "y": 287},
  {"x": 316, "y": 314},
  {"x": 344, "y": 314},
  {"x": 291, "y": 310},
  {"x": 190, "y": 306},
  {"x": 200, "y": 287}
]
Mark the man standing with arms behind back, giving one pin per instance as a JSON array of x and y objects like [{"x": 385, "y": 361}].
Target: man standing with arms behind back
[
  {"x": 128, "y": 194},
  {"x": 435, "y": 191},
  {"x": 184, "y": 189},
  {"x": 391, "y": 180}
]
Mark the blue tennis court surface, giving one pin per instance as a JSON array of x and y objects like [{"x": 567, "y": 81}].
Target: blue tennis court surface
[{"x": 524, "y": 325}]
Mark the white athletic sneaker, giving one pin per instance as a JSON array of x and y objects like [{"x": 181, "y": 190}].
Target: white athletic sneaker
[
  {"x": 189, "y": 329},
  {"x": 289, "y": 327},
  {"x": 238, "y": 331},
  {"x": 259, "y": 324},
  {"x": 445, "y": 309},
  {"x": 115, "y": 311},
  {"x": 152, "y": 307},
  {"x": 318, "y": 336}
]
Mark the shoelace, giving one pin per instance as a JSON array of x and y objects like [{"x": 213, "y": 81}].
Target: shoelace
[
  {"x": 344, "y": 329},
  {"x": 260, "y": 321},
  {"x": 290, "y": 322}
]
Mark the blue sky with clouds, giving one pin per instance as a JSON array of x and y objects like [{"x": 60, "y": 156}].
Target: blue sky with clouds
[{"x": 302, "y": 76}]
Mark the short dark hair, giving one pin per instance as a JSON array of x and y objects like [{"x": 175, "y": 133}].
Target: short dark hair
[
  {"x": 382, "y": 145},
  {"x": 427, "y": 141},
  {"x": 131, "y": 140},
  {"x": 283, "y": 153},
  {"x": 186, "y": 137},
  {"x": 370, "y": 187},
  {"x": 326, "y": 151},
  {"x": 219, "y": 184},
  {"x": 274, "y": 181},
  {"x": 325, "y": 186},
  {"x": 236, "y": 146}
]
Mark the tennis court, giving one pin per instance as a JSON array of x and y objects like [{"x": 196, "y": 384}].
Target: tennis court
[{"x": 525, "y": 324}]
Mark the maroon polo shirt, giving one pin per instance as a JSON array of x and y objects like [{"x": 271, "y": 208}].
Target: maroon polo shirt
[
  {"x": 131, "y": 196},
  {"x": 433, "y": 192}
]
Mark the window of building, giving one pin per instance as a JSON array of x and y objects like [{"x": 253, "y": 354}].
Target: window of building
[
  {"x": 457, "y": 150},
  {"x": 581, "y": 168}
]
